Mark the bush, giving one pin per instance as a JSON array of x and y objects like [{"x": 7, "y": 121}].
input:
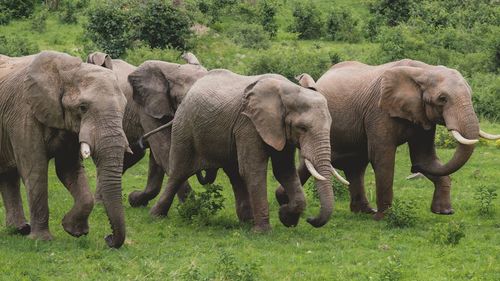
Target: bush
[
  {"x": 485, "y": 196},
  {"x": 268, "y": 18},
  {"x": 448, "y": 234},
  {"x": 202, "y": 206},
  {"x": 229, "y": 269},
  {"x": 342, "y": 26},
  {"x": 109, "y": 27},
  {"x": 392, "y": 270},
  {"x": 250, "y": 36},
  {"x": 307, "y": 21},
  {"x": 68, "y": 13},
  {"x": 17, "y": 46},
  {"x": 443, "y": 139},
  {"x": 486, "y": 95},
  {"x": 402, "y": 214},
  {"x": 18, "y": 8},
  {"x": 39, "y": 21},
  {"x": 164, "y": 26},
  {"x": 5, "y": 17},
  {"x": 392, "y": 11}
]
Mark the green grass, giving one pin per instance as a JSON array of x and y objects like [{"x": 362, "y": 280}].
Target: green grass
[{"x": 349, "y": 247}]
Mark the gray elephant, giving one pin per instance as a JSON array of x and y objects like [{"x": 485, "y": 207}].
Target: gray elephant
[
  {"x": 246, "y": 120},
  {"x": 132, "y": 120},
  {"x": 55, "y": 106},
  {"x": 378, "y": 108}
]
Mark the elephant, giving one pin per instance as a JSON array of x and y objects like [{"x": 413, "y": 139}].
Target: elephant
[
  {"x": 378, "y": 108},
  {"x": 247, "y": 120},
  {"x": 132, "y": 121},
  {"x": 55, "y": 106}
]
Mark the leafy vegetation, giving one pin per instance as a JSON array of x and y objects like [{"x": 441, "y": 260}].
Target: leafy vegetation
[{"x": 401, "y": 214}]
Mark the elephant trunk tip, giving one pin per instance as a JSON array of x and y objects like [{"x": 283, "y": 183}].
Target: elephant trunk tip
[{"x": 318, "y": 221}]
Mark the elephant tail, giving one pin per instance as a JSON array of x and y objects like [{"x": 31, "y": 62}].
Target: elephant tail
[{"x": 209, "y": 177}]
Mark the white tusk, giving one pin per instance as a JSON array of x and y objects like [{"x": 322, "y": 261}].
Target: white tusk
[
  {"x": 488, "y": 136},
  {"x": 85, "y": 150},
  {"x": 339, "y": 177},
  {"x": 415, "y": 176},
  {"x": 313, "y": 171},
  {"x": 461, "y": 139},
  {"x": 128, "y": 149}
]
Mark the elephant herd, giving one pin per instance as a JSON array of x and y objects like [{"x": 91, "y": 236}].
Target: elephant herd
[{"x": 53, "y": 105}]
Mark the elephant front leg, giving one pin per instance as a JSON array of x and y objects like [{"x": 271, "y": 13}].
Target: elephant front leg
[
  {"x": 359, "y": 202},
  {"x": 382, "y": 160},
  {"x": 153, "y": 185},
  {"x": 441, "y": 201},
  {"x": 10, "y": 189},
  {"x": 286, "y": 174},
  {"x": 242, "y": 199},
  {"x": 72, "y": 175}
]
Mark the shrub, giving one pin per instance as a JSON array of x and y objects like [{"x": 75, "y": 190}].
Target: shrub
[
  {"x": 448, "y": 234},
  {"x": 109, "y": 27},
  {"x": 268, "y": 18},
  {"x": 443, "y": 139},
  {"x": 485, "y": 196},
  {"x": 68, "y": 13},
  {"x": 229, "y": 269},
  {"x": 486, "y": 95},
  {"x": 18, "y": 8},
  {"x": 5, "y": 17},
  {"x": 17, "y": 46},
  {"x": 39, "y": 20},
  {"x": 342, "y": 26},
  {"x": 392, "y": 11},
  {"x": 189, "y": 273},
  {"x": 402, "y": 214},
  {"x": 250, "y": 36},
  {"x": 392, "y": 270},
  {"x": 164, "y": 26},
  {"x": 307, "y": 21},
  {"x": 202, "y": 206}
]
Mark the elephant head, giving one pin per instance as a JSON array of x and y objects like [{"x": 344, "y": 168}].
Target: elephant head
[
  {"x": 433, "y": 95},
  {"x": 282, "y": 113},
  {"x": 64, "y": 93}
]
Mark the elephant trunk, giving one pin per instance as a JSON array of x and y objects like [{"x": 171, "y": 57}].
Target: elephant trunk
[
  {"x": 465, "y": 122},
  {"x": 321, "y": 161}
]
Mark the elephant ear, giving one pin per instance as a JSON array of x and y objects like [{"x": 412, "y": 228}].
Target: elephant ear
[
  {"x": 151, "y": 90},
  {"x": 402, "y": 94},
  {"x": 264, "y": 107},
  {"x": 305, "y": 80},
  {"x": 44, "y": 86},
  {"x": 100, "y": 59}
]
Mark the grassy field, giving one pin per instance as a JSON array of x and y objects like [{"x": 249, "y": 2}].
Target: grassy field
[{"x": 349, "y": 247}]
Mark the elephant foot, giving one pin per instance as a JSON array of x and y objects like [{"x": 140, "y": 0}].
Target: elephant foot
[
  {"x": 136, "y": 199},
  {"x": 75, "y": 228},
  {"x": 22, "y": 229},
  {"x": 443, "y": 211},
  {"x": 158, "y": 212},
  {"x": 363, "y": 207},
  {"x": 265, "y": 228},
  {"x": 245, "y": 216},
  {"x": 281, "y": 196},
  {"x": 287, "y": 218},
  {"x": 378, "y": 216},
  {"x": 43, "y": 235}
]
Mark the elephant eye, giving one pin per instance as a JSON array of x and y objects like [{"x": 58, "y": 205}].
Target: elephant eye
[
  {"x": 302, "y": 128},
  {"x": 442, "y": 99},
  {"x": 83, "y": 108}
]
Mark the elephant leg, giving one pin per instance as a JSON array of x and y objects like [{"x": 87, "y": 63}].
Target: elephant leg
[
  {"x": 286, "y": 174},
  {"x": 242, "y": 199},
  {"x": 382, "y": 160},
  {"x": 11, "y": 194},
  {"x": 174, "y": 183},
  {"x": 184, "y": 191},
  {"x": 71, "y": 173},
  {"x": 153, "y": 185},
  {"x": 425, "y": 152},
  {"x": 359, "y": 202},
  {"x": 304, "y": 175}
]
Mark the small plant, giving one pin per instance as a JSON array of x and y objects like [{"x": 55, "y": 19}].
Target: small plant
[
  {"x": 340, "y": 191},
  {"x": 448, "y": 234},
  {"x": 17, "y": 46},
  {"x": 402, "y": 214},
  {"x": 230, "y": 269},
  {"x": 189, "y": 273},
  {"x": 39, "y": 20},
  {"x": 201, "y": 206},
  {"x": 443, "y": 139},
  {"x": 485, "y": 196},
  {"x": 250, "y": 36},
  {"x": 392, "y": 269}
]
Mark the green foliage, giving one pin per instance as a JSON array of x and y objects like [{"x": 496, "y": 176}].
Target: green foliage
[
  {"x": 163, "y": 25},
  {"x": 5, "y": 17},
  {"x": 68, "y": 13},
  {"x": 18, "y": 8},
  {"x": 201, "y": 206},
  {"x": 17, "y": 46},
  {"x": 443, "y": 139},
  {"x": 39, "y": 20},
  {"x": 250, "y": 36},
  {"x": 189, "y": 273},
  {"x": 448, "y": 234},
  {"x": 402, "y": 214},
  {"x": 393, "y": 12},
  {"x": 392, "y": 270},
  {"x": 307, "y": 20},
  {"x": 485, "y": 196},
  {"x": 267, "y": 11},
  {"x": 341, "y": 25},
  {"x": 486, "y": 95},
  {"x": 230, "y": 269}
]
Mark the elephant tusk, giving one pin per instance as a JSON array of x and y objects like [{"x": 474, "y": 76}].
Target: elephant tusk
[
  {"x": 487, "y": 136},
  {"x": 461, "y": 139},
  {"x": 339, "y": 177},
  {"x": 129, "y": 150},
  {"x": 313, "y": 171},
  {"x": 85, "y": 150},
  {"x": 415, "y": 176}
]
